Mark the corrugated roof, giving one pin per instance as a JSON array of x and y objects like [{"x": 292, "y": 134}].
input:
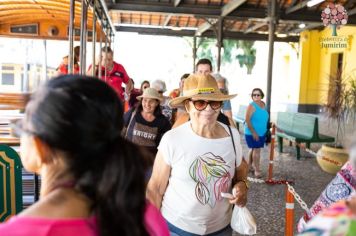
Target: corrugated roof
[{"x": 242, "y": 18}]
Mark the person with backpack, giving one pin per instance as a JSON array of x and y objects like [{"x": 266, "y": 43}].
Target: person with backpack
[{"x": 145, "y": 124}]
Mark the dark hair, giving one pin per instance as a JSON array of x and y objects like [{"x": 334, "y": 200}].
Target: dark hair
[
  {"x": 157, "y": 112},
  {"x": 82, "y": 117},
  {"x": 76, "y": 51},
  {"x": 204, "y": 61},
  {"x": 106, "y": 49},
  {"x": 144, "y": 82},
  {"x": 184, "y": 76},
  {"x": 260, "y": 90}
]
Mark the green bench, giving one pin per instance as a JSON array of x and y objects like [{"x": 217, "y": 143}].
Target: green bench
[
  {"x": 11, "y": 182},
  {"x": 299, "y": 128},
  {"x": 239, "y": 117}
]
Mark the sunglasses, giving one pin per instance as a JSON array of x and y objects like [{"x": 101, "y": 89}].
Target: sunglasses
[
  {"x": 201, "y": 104},
  {"x": 256, "y": 95}
]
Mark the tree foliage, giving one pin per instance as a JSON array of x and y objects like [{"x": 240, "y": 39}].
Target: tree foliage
[
  {"x": 248, "y": 58},
  {"x": 246, "y": 55}
]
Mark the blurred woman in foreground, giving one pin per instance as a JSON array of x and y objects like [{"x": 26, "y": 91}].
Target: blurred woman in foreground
[{"x": 92, "y": 179}]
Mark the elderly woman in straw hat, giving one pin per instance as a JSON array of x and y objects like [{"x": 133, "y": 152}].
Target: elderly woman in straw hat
[
  {"x": 198, "y": 161},
  {"x": 145, "y": 125}
]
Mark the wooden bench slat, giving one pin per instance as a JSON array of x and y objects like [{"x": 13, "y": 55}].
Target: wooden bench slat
[
  {"x": 13, "y": 101},
  {"x": 299, "y": 128}
]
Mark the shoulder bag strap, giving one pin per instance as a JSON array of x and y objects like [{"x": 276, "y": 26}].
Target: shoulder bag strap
[
  {"x": 233, "y": 142},
  {"x": 131, "y": 118}
]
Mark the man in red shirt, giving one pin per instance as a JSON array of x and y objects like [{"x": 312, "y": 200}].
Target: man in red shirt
[{"x": 115, "y": 73}]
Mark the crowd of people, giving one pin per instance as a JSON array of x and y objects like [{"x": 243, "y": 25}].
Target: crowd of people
[{"x": 158, "y": 168}]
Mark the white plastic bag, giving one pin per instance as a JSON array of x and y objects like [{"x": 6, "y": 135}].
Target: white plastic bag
[{"x": 242, "y": 221}]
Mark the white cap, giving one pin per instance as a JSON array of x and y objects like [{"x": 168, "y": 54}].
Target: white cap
[{"x": 159, "y": 85}]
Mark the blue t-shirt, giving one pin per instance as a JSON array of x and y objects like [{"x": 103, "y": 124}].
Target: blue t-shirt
[
  {"x": 226, "y": 105},
  {"x": 259, "y": 119}
]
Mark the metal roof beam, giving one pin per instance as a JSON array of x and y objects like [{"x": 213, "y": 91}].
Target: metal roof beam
[
  {"x": 210, "y": 34},
  {"x": 307, "y": 18},
  {"x": 255, "y": 27},
  {"x": 297, "y": 7},
  {"x": 177, "y": 2},
  {"x": 231, "y": 6},
  {"x": 205, "y": 27},
  {"x": 103, "y": 14},
  {"x": 349, "y": 4},
  {"x": 167, "y": 8},
  {"x": 351, "y": 12},
  {"x": 307, "y": 27},
  {"x": 168, "y": 18},
  {"x": 202, "y": 28},
  {"x": 241, "y": 13}
]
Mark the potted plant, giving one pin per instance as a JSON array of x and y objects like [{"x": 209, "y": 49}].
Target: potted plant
[{"x": 340, "y": 108}]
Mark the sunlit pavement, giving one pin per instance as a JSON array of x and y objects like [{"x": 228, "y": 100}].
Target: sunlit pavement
[{"x": 267, "y": 203}]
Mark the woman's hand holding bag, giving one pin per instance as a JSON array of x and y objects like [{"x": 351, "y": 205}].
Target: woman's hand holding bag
[{"x": 242, "y": 221}]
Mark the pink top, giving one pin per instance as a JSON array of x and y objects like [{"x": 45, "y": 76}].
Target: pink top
[{"x": 20, "y": 225}]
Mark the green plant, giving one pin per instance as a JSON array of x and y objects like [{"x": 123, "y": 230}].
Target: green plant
[
  {"x": 341, "y": 102},
  {"x": 207, "y": 49},
  {"x": 248, "y": 58}
]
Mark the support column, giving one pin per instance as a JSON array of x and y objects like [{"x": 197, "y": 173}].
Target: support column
[
  {"x": 44, "y": 64},
  {"x": 106, "y": 46},
  {"x": 71, "y": 36},
  {"x": 194, "y": 52},
  {"x": 93, "y": 39},
  {"x": 272, "y": 27},
  {"x": 100, "y": 52},
  {"x": 219, "y": 41},
  {"x": 83, "y": 37}
]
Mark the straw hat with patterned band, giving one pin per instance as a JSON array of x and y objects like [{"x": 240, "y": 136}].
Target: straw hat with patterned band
[
  {"x": 200, "y": 87},
  {"x": 150, "y": 93}
]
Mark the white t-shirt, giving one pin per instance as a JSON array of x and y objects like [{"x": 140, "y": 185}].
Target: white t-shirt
[{"x": 201, "y": 169}]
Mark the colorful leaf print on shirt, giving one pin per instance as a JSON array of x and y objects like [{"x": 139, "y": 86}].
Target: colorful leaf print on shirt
[{"x": 211, "y": 174}]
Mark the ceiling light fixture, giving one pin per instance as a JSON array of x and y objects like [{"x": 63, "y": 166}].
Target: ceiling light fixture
[
  {"x": 301, "y": 26},
  {"x": 176, "y": 28},
  {"x": 282, "y": 35},
  {"x": 312, "y": 3}
]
